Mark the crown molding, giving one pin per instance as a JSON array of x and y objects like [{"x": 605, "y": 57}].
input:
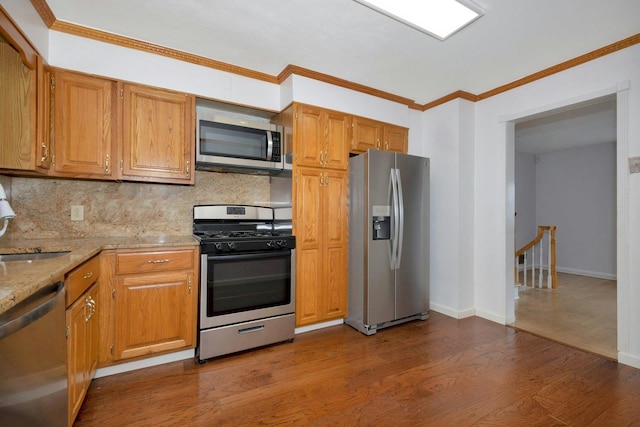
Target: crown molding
[
  {"x": 590, "y": 56},
  {"x": 326, "y": 78},
  {"x": 45, "y": 12},
  {"x": 52, "y": 23}
]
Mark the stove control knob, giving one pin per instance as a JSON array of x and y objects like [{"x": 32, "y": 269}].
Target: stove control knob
[
  {"x": 218, "y": 246},
  {"x": 282, "y": 243},
  {"x": 271, "y": 244},
  {"x": 231, "y": 246}
]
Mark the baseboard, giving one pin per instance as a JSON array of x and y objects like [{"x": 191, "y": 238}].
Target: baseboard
[
  {"x": 145, "y": 363},
  {"x": 596, "y": 274},
  {"x": 316, "y": 326},
  {"x": 576, "y": 271},
  {"x": 448, "y": 311},
  {"x": 629, "y": 359},
  {"x": 494, "y": 317}
]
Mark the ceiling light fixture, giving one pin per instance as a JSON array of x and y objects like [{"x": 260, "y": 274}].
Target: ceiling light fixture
[{"x": 437, "y": 18}]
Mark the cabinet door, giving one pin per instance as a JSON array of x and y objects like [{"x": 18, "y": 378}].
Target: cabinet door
[
  {"x": 321, "y": 229},
  {"x": 158, "y": 137},
  {"x": 395, "y": 138},
  {"x": 335, "y": 223},
  {"x": 337, "y": 143},
  {"x": 92, "y": 333},
  {"x": 82, "y": 348},
  {"x": 84, "y": 125},
  {"x": 308, "y": 145},
  {"x": 17, "y": 110},
  {"x": 44, "y": 108},
  {"x": 366, "y": 134},
  {"x": 154, "y": 313},
  {"x": 76, "y": 355},
  {"x": 307, "y": 229}
]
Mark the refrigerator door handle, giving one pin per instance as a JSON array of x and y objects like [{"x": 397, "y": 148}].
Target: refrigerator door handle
[
  {"x": 400, "y": 219},
  {"x": 395, "y": 216}
]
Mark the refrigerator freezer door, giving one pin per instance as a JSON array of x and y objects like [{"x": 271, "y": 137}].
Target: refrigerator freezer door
[
  {"x": 412, "y": 277},
  {"x": 379, "y": 284}
]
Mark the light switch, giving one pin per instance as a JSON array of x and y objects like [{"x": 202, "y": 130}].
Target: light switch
[
  {"x": 77, "y": 213},
  {"x": 634, "y": 164}
]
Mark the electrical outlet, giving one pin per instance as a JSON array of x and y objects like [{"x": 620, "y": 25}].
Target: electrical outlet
[
  {"x": 634, "y": 164},
  {"x": 77, "y": 213}
]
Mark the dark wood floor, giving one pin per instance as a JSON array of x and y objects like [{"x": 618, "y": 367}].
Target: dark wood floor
[{"x": 440, "y": 372}]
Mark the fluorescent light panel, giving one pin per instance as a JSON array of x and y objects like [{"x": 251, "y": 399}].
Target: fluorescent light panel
[{"x": 438, "y": 18}]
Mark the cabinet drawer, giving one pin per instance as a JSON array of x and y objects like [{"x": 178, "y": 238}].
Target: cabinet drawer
[
  {"x": 145, "y": 262},
  {"x": 81, "y": 278}
]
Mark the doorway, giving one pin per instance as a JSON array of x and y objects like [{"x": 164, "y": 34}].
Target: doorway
[{"x": 584, "y": 130}]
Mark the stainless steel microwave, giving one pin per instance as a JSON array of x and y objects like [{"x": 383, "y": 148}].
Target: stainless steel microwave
[{"x": 231, "y": 144}]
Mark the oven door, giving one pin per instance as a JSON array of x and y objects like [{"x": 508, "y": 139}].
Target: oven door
[{"x": 241, "y": 287}]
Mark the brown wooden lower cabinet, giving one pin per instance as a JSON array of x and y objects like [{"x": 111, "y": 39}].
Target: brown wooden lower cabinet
[
  {"x": 83, "y": 331},
  {"x": 151, "y": 302}
]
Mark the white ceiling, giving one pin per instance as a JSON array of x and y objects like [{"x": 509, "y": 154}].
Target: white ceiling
[
  {"x": 591, "y": 124},
  {"x": 345, "y": 39}
]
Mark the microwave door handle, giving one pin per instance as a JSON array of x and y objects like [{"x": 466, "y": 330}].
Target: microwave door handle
[{"x": 269, "y": 146}]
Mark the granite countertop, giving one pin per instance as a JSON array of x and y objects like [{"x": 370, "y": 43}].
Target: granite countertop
[{"x": 20, "y": 279}]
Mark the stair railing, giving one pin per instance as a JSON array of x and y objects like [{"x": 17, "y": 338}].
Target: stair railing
[{"x": 550, "y": 267}]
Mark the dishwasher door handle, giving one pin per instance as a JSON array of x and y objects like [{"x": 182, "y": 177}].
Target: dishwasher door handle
[{"x": 31, "y": 309}]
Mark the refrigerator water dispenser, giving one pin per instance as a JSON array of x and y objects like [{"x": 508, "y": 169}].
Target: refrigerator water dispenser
[{"x": 381, "y": 227}]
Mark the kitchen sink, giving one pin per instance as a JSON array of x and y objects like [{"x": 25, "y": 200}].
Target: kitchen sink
[{"x": 31, "y": 256}]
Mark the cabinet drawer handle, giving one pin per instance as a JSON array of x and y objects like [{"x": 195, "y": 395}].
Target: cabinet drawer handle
[
  {"x": 158, "y": 261},
  {"x": 45, "y": 153},
  {"x": 89, "y": 275}
]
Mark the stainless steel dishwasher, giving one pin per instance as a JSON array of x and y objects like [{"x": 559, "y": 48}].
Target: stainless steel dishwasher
[{"x": 33, "y": 370}]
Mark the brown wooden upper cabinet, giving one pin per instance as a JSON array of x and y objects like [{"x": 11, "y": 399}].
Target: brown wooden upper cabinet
[
  {"x": 154, "y": 142},
  {"x": 84, "y": 131},
  {"x": 158, "y": 135},
  {"x": 395, "y": 138},
  {"x": 24, "y": 142},
  {"x": 320, "y": 137},
  {"x": 372, "y": 134}
]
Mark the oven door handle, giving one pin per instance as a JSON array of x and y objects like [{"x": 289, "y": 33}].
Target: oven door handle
[{"x": 253, "y": 256}]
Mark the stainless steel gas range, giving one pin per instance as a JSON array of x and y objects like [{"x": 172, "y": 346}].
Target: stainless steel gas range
[{"x": 247, "y": 277}]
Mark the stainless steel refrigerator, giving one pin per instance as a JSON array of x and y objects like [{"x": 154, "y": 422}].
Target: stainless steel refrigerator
[{"x": 388, "y": 240}]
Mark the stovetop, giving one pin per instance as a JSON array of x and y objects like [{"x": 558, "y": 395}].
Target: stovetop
[
  {"x": 231, "y": 235},
  {"x": 236, "y": 228}
]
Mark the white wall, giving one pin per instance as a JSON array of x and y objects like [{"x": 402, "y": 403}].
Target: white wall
[
  {"x": 576, "y": 191},
  {"x": 30, "y": 22},
  {"x": 447, "y": 135},
  {"x": 525, "y": 176},
  {"x": 618, "y": 73}
]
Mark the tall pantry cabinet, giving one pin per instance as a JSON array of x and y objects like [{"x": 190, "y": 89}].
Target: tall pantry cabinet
[{"x": 320, "y": 140}]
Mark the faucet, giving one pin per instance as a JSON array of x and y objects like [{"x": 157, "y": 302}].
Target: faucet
[{"x": 6, "y": 213}]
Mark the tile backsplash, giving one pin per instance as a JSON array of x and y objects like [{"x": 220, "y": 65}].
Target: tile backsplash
[{"x": 43, "y": 205}]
